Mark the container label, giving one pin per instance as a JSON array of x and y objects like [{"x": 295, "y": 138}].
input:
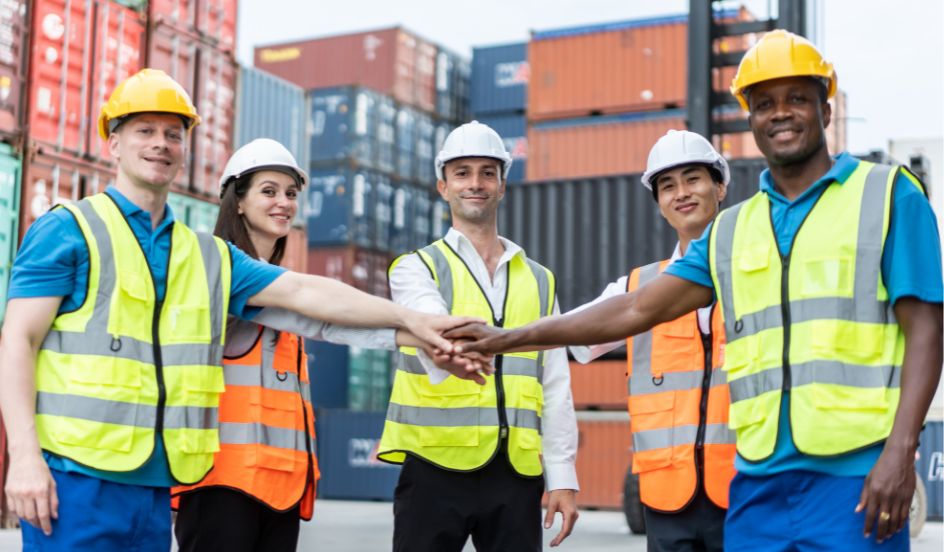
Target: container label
[
  {"x": 273, "y": 55},
  {"x": 515, "y": 73},
  {"x": 936, "y": 467},
  {"x": 362, "y": 453}
]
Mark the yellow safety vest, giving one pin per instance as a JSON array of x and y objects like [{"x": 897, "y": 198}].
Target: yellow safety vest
[
  {"x": 816, "y": 323},
  {"x": 458, "y": 424},
  {"x": 123, "y": 366}
]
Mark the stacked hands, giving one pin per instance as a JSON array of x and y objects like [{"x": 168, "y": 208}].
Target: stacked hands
[{"x": 462, "y": 346}]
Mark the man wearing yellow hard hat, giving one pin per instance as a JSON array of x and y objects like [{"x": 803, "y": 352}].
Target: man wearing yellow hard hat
[
  {"x": 113, "y": 339},
  {"x": 829, "y": 282}
]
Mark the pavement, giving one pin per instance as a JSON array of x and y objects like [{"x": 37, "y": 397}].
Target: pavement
[{"x": 343, "y": 526}]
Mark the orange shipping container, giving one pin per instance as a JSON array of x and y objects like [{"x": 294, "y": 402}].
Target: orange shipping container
[
  {"x": 596, "y": 146},
  {"x": 600, "y": 385},
  {"x": 604, "y": 454}
]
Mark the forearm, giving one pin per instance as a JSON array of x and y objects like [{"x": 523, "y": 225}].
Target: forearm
[{"x": 18, "y": 396}]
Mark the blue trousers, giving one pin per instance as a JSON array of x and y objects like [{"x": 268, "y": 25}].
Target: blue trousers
[
  {"x": 98, "y": 515},
  {"x": 800, "y": 511}
]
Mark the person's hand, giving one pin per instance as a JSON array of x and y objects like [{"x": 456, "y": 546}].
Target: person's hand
[
  {"x": 887, "y": 493},
  {"x": 478, "y": 337},
  {"x": 430, "y": 327},
  {"x": 470, "y": 366},
  {"x": 31, "y": 491},
  {"x": 565, "y": 502}
]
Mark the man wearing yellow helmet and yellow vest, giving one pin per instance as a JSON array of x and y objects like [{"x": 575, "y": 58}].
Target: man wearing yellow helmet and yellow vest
[
  {"x": 113, "y": 339},
  {"x": 829, "y": 282},
  {"x": 475, "y": 457}
]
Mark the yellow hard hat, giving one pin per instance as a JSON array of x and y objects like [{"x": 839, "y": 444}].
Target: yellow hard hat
[
  {"x": 777, "y": 55},
  {"x": 147, "y": 91}
]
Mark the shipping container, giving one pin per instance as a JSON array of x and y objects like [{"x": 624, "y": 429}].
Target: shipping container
[
  {"x": 10, "y": 168},
  {"x": 79, "y": 51},
  {"x": 604, "y": 453},
  {"x": 440, "y": 219},
  {"x": 566, "y": 224},
  {"x": 383, "y": 212},
  {"x": 215, "y": 97},
  {"x": 513, "y": 129},
  {"x": 394, "y": 62},
  {"x": 600, "y": 385},
  {"x": 386, "y": 134},
  {"x": 181, "y": 14},
  {"x": 328, "y": 370},
  {"x": 14, "y": 56},
  {"x": 270, "y": 107},
  {"x": 49, "y": 180},
  {"x": 425, "y": 172},
  {"x": 200, "y": 215},
  {"x": 361, "y": 268},
  {"x": 369, "y": 379},
  {"x": 216, "y": 22},
  {"x": 930, "y": 467},
  {"x": 453, "y": 73},
  {"x": 500, "y": 76},
  {"x": 343, "y": 126},
  {"x": 406, "y": 142},
  {"x": 341, "y": 207},
  {"x": 596, "y": 146},
  {"x": 410, "y": 221},
  {"x": 347, "y": 455},
  {"x": 296, "y": 251}
]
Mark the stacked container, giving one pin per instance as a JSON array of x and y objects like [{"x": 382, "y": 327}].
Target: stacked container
[{"x": 500, "y": 76}]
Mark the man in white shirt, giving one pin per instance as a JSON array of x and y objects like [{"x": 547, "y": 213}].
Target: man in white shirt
[{"x": 475, "y": 457}]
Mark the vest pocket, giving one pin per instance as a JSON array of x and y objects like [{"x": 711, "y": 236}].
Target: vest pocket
[
  {"x": 198, "y": 441},
  {"x": 71, "y": 431},
  {"x": 755, "y": 256},
  {"x": 463, "y": 436},
  {"x": 275, "y": 458},
  {"x": 745, "y": 413},
  {"x": 830, "y": 277},
  {"x": 188, "y": 322}
]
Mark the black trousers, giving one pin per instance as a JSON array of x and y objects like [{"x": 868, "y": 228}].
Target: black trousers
[
  {"x": 216, "y": 518},
  {"x": 699, "y": 527},
  {"x": 438, "y": 510}
]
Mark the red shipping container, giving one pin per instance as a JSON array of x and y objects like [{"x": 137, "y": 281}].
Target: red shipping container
[
  {"x": 600, "y": 385},
  {"x": 596, "y": 146},
  {"x": 604, "y": 454},
  {"x": 181, "y": 14},
  {"x": 216, "y": 20},
  {"x": 366, "y": 270},
  {"x": 12, "y": 64},
  {"x": 215, "y": 97},
  {"x": 392, "y": 61},
  {"x": 49, "y": 180},
  {"x": 118, "y": 54},
  {"x": 296, "y": 251}
]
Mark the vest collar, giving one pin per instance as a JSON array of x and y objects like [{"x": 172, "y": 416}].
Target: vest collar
[
  {"x": 132, "y": 211},
  {"x": 461, "y": 245},
  {"x": 845, "y": 164}
]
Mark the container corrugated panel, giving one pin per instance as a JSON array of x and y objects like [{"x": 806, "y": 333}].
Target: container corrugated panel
[
  {"x": 347, "y": 455},
  {"x": 50, "y": 180},
  {"x": 566, "y": 224},
  {"x": 500, "y": 76},
  {"x": 361, "y": 268},
  {"x": 296, "y": 251},
  {"x": 199, "y": 214},
  {"x": 464, "y": 91},
  {"x": 328, "y": 369},
  {"x": 216, "y": 21},
  {"x": 340, "y": 207},
  {"x": 176, "y": 13},
  {"x": 215, "y": 98},
  {"x": 930, "y": 467},
  {"x": 10, "y": 170},
  {"x": 118, "y": 53},
  {"x": 13, "y": 64},
  {"x": 406, "y": 142},
  {"x": 600, "y": 385},
  {"x": 270, "y": 107},
  {"x": 410, "y": 223},
  {"x": 424, "y": 81},
  {"x": 513, "y": 128},
  {"x": 386, "y": 134},
  {"x": 596, "y": 146},
  {"x": 425, "y": 141},
  {"x": 369, "y": 379},
  {"x": 383, "y": 211},
  {"x": 440, "y": 219},
  {"x": 604, "y": 453},
  {"x": 452, "y": 86},
  {"x": 343, "y": 126}
]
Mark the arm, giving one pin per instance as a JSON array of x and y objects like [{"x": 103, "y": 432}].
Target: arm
[
  {"x": 664, "y": 299},
  {"x": 30, "y": 489},
  {"x": 584, "y": 354},
  {"x": 332, "y": 301},
  {"x": 310, "y": 328},
  {"x": 890, "y": 485},
  {"x": 560, "y": 444}
]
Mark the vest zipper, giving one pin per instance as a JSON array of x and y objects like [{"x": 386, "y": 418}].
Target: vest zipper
[
  {"x": 158, "y": 366},
  {"x": 500, "y": 391},
  {"x": 785, "y": 312},
  {"x": 706, "y": 344},
  {"x": 310, "y": 472}
]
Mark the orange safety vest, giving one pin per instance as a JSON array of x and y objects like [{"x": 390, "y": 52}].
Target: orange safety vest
[
  {"x": 267, "y": 426},
  {"x": 678, "y": 408}
]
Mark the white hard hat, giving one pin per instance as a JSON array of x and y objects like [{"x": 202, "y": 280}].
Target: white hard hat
[
  {"x": 261, "y": 154},
  {"x": 473, "y": 140},
  {"x": 681, "y": 147}
]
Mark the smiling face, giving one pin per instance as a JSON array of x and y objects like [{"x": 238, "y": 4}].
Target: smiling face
[
  {"x": 473, "y": 188},
  {"x": 688, "y": 198},
  {"x": 788, "y": 117},
  {"x": 269, "y": 206},
  {"x": 150, "y": 149}
]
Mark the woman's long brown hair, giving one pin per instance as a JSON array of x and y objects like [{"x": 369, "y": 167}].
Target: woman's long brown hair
[{"x": 231, "y": 227}]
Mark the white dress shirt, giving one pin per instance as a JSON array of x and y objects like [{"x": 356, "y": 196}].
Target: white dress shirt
[
  {"x": 412, "y": 286},
  {"x": 241, "y": 334},
  {"x": 584, "y": 354}
]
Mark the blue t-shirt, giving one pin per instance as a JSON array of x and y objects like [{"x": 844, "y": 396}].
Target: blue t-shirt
[
  {"x": 53, "y": 261},
  {"x": 911, "y": 267}
]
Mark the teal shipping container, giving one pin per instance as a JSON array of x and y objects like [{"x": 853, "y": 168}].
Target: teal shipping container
[{"x": 10, "y": 171}]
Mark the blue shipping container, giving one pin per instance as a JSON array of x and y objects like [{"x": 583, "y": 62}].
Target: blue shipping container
[
  {"x": 269, "y": 107},
  {"x": 513, "y": 128},
  {"x": 500, "y": 77},
  {"x": 383, "y": 211},
  {"x": 347, "y": 455},
  {"x": 328, "y": 373},
  {"x": 425, "y": 142},
  {"x": 386, "y": 134},
  {"x": 340, "y": 207},
  {"x": 452, "y": 86},
  {"x": 344, "y": 126},
  {"x": 406, "y": 143},
  {"x": 930, "y": 467}
]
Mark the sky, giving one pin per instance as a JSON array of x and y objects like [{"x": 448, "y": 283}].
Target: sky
[{"x": 889, "y": 56}]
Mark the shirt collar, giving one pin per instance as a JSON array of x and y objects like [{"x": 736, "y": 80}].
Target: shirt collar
[
  {"x": 130, "y": 210},
  {"x": 677, "y": 252},
  {"x": 844, "y": 166},
  {"x": 457, "y": 240}
]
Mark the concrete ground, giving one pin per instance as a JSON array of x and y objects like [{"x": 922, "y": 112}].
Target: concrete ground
[{"x": 341, "y": 526}]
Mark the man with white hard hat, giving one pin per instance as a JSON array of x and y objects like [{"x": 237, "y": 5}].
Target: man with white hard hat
[
  {"x": 475, "y": 458},
  {"x": 683, "y": 451}
]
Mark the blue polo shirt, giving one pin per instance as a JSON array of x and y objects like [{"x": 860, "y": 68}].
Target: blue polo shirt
[
  {"x": 911, "y": 267},
  {"x": 53, "y": 261}
]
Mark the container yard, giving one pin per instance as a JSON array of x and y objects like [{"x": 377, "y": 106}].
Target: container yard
[{"x": 365, "y": 113}]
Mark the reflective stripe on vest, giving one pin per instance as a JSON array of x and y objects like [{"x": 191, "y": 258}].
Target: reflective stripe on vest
[
  {"x": 817, "y": 323},
  {"x": 455, "y": 424},
  {"x": 114, "y": 370},
  {"x": 266, "y": 424},
  {"x": 675, "y": 425}
]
